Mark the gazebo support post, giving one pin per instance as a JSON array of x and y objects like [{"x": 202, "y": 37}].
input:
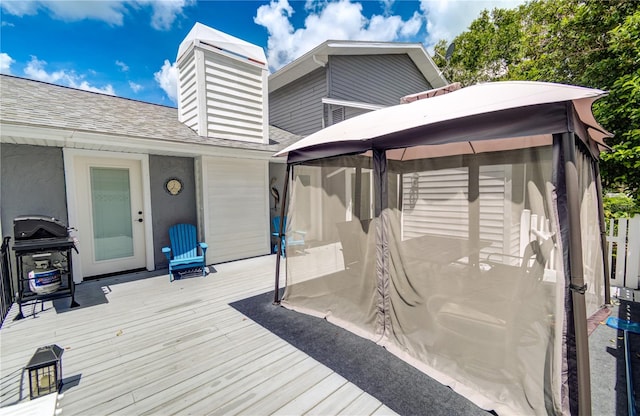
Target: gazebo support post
[
  {"x": 357, "y": 194},
  {"x": 285, "y": 193},
  {"x": 603, "y": 235},
  {"x": 576, "y": 280},
  {"x": 474, "y": 212}
]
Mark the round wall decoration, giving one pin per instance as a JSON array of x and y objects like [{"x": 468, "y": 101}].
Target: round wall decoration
[{"x": 173, "y": 186}]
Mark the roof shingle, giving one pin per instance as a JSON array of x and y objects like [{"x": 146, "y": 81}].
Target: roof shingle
[{"x": 36, "y": 103}]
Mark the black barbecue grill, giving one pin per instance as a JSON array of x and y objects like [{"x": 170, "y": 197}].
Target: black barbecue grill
[{"x": 39, "y": 236}]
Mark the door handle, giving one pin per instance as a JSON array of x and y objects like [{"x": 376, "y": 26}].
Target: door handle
[{"x": 140, "y": 220}]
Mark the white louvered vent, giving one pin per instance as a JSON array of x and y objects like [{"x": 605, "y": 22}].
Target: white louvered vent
[{"x": 222, "y": 86}]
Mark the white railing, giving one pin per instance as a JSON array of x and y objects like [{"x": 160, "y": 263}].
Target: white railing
[
  {"x": 623, "y": 244},
  {"x": 534, "y": 227}
]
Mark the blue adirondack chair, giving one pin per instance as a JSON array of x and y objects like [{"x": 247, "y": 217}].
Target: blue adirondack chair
[
  {"x": 292, "y": 241},
  {"x": 184, "y": 247}
]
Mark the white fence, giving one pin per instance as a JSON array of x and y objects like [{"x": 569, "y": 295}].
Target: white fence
[{"x": 623, "y": 252}]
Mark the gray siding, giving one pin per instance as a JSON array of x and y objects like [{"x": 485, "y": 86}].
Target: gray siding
[
  {"x": 170, "y": 209},
  {"x": 375, "y": 79},
  {"x": 297, "y": 107},
  {"x": 32, "y": 182}
]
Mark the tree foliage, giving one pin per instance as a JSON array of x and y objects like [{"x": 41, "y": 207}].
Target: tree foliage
[{"x": 592, "y": 43}]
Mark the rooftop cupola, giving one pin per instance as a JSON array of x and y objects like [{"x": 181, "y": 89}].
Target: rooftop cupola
[{"x": 222, "y": 86}]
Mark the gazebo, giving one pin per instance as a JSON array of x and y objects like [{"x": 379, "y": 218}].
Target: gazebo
[{"x": 463, "y": 233}]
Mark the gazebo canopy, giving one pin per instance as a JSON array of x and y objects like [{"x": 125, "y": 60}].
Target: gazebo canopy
[{"x": 498, "y": 110}]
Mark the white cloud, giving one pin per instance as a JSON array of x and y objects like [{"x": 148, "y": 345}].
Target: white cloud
[
  {"x": 344, "y": 20},
  {"x": 84, "y": 85},
  {"x": 135, "y": 87},
  {"x": 19, "y": 7},
  {"x": 446, "y": 19},
  {"x": 412, "y": 26},
  {"x": 5, "y": 63},
  {"x": 35, "y": 69},
  {"x": 167, "y": 78},
  {"x": 387, "y": 4},
  {"x": 338, "y": 20},
  {"x": 163, "y": 12},
  {"x": 123, "y": 67},
  {"x": 111, "y": 12}
]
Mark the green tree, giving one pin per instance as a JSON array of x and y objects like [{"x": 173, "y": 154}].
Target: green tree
[
  {"x": 591, "y": 43},
  {"x": 620, "y": 111}
]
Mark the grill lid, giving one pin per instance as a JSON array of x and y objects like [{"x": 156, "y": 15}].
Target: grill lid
[{"x": 27, "y": 227}]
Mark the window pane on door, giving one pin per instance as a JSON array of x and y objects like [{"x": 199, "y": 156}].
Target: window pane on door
[{"x": 111, "y": 209}]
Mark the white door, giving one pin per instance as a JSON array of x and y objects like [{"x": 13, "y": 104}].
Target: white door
[{"x": 110, "y": 212}]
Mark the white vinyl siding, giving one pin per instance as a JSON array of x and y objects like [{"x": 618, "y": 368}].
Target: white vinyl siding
[
  {"x": 234, "y": 98},
  {"x": 497, "y": 221},
  {"x": 436, "y": 202},
  {"x": 188, "y": 93},
  {"x": 222, "y": 96},
  {"x": 236, "y": 210},
  {"x": 439, "y": 205}
]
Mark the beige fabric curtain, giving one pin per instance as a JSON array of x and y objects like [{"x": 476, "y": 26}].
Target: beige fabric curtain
[
  {"x": 334, "y": 276},
  {"x": 458, "y": 270},
  {"x": 449, "y": 233},
  {"x": 590, "y": 231}
]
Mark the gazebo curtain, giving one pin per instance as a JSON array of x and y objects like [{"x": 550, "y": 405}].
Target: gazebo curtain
[
  {"x": 453, "y": 263},
  {"x": 464, "y": 234}
]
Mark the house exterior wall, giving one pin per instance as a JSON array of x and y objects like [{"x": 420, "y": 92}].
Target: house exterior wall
[
  {"x": 374, "y": 79},
  {"x": 436, "y": 202},
  {"x": 188, "y": 92},
  {"x": 170, "y": 209},
  {"x": 235, "y": 207},
  {"x": 32, "y": 182},
  {"x": 297, "y": 107}
]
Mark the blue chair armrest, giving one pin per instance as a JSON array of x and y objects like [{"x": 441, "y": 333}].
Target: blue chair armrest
[
  {"x": 167, "y": 252},
  {"x": 203, "y": 247}
]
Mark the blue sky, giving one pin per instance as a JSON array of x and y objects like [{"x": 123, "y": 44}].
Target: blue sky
[{"x": 128, "y": 48}]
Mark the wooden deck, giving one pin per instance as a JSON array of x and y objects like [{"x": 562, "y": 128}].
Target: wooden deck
[{"x": 142, "y": 345}]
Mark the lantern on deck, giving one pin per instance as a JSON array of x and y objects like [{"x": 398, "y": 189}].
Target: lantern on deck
[{"x": 45, "y": 371}]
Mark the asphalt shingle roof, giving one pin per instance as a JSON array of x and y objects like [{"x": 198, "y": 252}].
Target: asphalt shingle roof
[{"x": 28, "y": 102}]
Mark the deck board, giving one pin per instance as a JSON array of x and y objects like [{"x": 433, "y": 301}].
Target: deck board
[
  {"x": 145, "y": 345},
  {"x": 346, "y": 394}
]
